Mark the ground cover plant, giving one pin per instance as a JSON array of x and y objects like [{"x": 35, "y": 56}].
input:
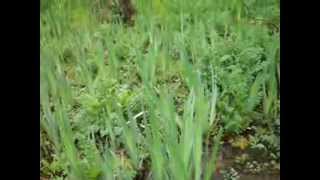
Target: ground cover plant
[{"x": 161, "y": 89}]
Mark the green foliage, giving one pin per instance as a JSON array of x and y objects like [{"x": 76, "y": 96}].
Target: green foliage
[{"x": 118, "y": 101}]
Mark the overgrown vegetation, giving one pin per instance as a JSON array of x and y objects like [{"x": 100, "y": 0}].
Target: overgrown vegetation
[{"x": 154, "y": 97}]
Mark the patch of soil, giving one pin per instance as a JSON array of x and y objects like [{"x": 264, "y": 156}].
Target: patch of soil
[
  {"x": 127, "y": 11},
  {"x": 259, "y": 177},
  {"x": 227, "y": 160}
]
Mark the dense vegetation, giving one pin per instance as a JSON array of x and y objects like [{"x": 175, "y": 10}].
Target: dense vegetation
[{"x": 157, "y": 97}]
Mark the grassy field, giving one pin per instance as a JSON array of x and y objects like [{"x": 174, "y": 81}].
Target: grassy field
[{"x": 161, "y": 97}]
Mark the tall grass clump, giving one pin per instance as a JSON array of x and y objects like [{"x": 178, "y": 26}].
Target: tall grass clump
[{"x": 154, "y": 100}]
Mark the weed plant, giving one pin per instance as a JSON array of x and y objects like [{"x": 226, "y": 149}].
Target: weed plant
[{"x": 153, "y": 100}]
